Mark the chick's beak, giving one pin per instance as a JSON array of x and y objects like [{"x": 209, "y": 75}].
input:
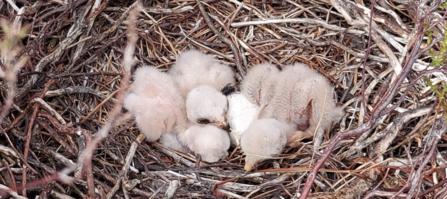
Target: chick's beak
[
  {"x": 248, "y": 166},
  {"x": 222, "y": 123}
]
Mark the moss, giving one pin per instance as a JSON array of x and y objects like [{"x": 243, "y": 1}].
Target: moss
[
  {"x": 441, "y": 93},
  {"x": 441, "y": 57}
]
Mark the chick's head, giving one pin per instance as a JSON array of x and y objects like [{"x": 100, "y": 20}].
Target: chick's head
[
  {"x": 220, "y": 75},
  {"x": 262, "y": 139},
  {"x": 206, "y": 105},
  {"x": 194, "y": 68},
  {"x": 208, "y": 141},
  {"x": 258, "y": 82}
]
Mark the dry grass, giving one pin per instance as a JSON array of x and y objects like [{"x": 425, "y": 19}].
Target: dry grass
[{"x": 64, "y": 134}]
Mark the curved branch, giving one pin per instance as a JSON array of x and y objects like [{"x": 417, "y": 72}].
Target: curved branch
[{"x": 235, "y": 50}]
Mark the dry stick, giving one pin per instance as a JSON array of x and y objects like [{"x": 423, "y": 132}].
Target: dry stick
[
  {"x": 61, "y": 9},
  {"x": 435, "y": 136},
  {"x": 243, "y": 44},
  {"x": 4, "y": 190},
  {"x": 227, "y": 184},
  {"x": 80, "y": 46},
  {"x": 54, "y": 56},
  {"x": 55, "y": 134},
  {"x": 59, "y": 195},
  {"x": 176, "y": 157},
  {"x": 30, "y": 105},
  {"x": 11, "y": 176},
  {"x": 17, "y": 153},
  {"x": 13, "y": 5},
  {"x": 98, "y": 52},
  {"x": 340, "y": 6},
  {"x": 440, "y": 128},
  {"x": 90, "y": 181},
  {"x": 53, "y": 76},
  {"x": 278, "y": 180},
  {"x": 389, "y": 38},
  {"x": 394, "y": 127},
  {"x": 442, "y": 193},
  {"x": 375, "y": 116},
  {"x": 122, "y": 176},
  {"x": 29, "y": 133},
  {"x": 60, "y": 128},
  {"x": 299, "y": 20},
  {"x": 228, "y": 193},
  {"x": 339, "y": 45},
  {"x": 173, "y": 185},
  {"x": 368, "y": 50},
  {"x": 50, "y": 109},
  {"x": 78, "y": 90},
  {"x": 97, "y": 107},
  {"x": 356, "y": 54},
  {"x": 236, "y": 54},
  {"x": 391, "y": 131}
]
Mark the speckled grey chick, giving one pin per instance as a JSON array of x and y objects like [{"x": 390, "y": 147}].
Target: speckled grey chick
[
  {"x": 304, "y": 97},
  {"x": 259, "y": 84}
]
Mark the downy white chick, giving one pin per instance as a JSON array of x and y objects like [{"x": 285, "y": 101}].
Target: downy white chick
[
  {"x": 259, "y": 84},
  {"x": 171, "y": 140},
  {"x": 210, "y": 142},
  {"x": 155, "y": 102},
  {"x": 262, "y": 139},
  {"x": 194, "y": 68},
  {"x": 206, "y": 105},
  {"x": 241, "y": 112}
]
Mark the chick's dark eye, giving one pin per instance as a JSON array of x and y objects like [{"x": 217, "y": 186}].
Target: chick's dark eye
[
  {"x": 203, "y": 121},
  {"x": 228, "y": 89}
]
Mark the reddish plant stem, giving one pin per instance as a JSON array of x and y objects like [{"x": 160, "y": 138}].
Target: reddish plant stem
[
  {"x": 29, "y": 133},
  {"x": 11, "y": 175}
]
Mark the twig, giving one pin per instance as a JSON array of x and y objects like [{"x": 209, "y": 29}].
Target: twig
[
  {"x": 439, "y": 128},
  {"x": 122, "y": 177},
  {"x": 29, "y": 134},
  {"x": 236, "y": 53},
  {"x": 299, "y": 20},
  {"x": 13, "y": 5},
  {"x": 173, "y": 185},
  {"x": 78, "y": 89},
  {"x": 368, "y": 50},
  {"x": 14, "y": 194}
]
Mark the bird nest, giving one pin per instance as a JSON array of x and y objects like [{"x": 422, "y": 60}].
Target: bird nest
[{"x": 66, "y": 66}]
